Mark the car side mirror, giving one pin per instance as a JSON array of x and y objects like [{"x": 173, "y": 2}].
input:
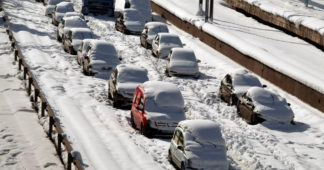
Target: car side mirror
[
  {"x": 264, "y": 86},
  {"x": 198, "y": 61},
  {"x": 183, "y": 44},
  {"x": 180, "y": 148},
  {"x": 289, "y": 104},
  {"x": 86, "y": 20}
]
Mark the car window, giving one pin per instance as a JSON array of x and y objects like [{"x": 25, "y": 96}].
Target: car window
[
  {"x": 228, "y": 80},
  {"x": 176, "y": 136},
  {"x": 180, "y": 139}
]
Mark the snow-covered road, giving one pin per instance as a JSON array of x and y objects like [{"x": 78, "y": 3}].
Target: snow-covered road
[
  {"x": 23, "y": 143},
  {"x": 103, "y": 135}
]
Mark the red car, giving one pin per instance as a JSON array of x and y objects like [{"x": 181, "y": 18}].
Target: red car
[{"x": 157, "y": 108}]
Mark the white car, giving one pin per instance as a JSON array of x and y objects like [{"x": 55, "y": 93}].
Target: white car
[
  {"x": 182, "y": 62},
  {"x": 51, "y": 6},
  {"x": 101, "y": 56},
  {"x": 163, "y": 43},
  {"x": 81, "y": 53},
  {"x": 60, "y": 10},
  {"x": 123, "y": 82},
  {"x": 235, "y": 84},
  {"x": 143, "y": 7},
  {"x": 130, "y": 22},
  {"x": 259, "y": 104},
  {"x": 151, "y": 29},
  {"x": 198, "y": 144},
  {"x": 68, "y": 23},
  {"x": 74, "y": 37}
]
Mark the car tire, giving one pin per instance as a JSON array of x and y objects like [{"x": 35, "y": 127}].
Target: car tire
[
  {"x": 132, "y": 120},
  {"x": 144, "y": 131},
  {"x": 59, "y": 39},
  {"x": 170, "y": 157},
  {"x": 183, "y": 166},
  {"x": 253, "y": 119},
  {"x": 109, "y": 94},
  {"x": 85, "y": 70}
]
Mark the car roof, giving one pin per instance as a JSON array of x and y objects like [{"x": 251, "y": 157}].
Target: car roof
[
  {"x": 130, "y": 68},
  {"x": 155, "y": 24},
  {"x": 65, "y": 3},
  {"x": 264, "y": 96}
]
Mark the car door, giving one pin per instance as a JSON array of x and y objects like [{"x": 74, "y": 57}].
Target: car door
[
  {"x": 139, "y": 109},
  {"x": 246, "y": 107},
  {"x": 144, "y": 36},
  {"x": 155, "y": 44},
  {"x": 113, "y": 82},
  {"x": 227, "y": 87},
  {"x": 179, "y": 150}
]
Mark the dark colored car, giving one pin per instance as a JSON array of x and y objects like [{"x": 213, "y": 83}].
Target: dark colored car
[
  {"x": 123, "y": 82},
  {"x": 130, "y": 22},
  {"x": 259, "y": 104},
  {"x": 235, "y": 84}
]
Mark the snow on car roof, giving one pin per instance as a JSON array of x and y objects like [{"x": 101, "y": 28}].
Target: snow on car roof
[
  {"x": 103, "y": 47},
  {"x": 264, "y": 96},
  {"x": 133, "y": 15},
  {"x": 165, "y": 94},
  {"x": 64, "y": 7},
  {"x": 131, "y": 73},
  {"x": 70, "y": 14},
  {"x": 74, "y": 21},
  {"x": 184, "y": 54},
  {"x": 202, "y": 131},
  {"x": 155, "y": 24},
  {"x": 243, "y": 80}
]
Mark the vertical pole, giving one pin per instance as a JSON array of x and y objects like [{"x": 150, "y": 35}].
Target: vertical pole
[
  {"x": 50, "y": 130},
  {"x": 69, "y": 161},
  {"x": 43, "y": 109},
  {"x": 19, "y": 64},
  {"x": 59, "y": 145},
  {"x": 206, "y": 10},
  {"x": 211, "y": 10},
  {"x": 30, "y": 81},
  {"x": 25, "y": 73},
  {"x": 36, "y": 95}
]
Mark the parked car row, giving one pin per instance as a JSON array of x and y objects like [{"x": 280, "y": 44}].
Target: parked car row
[{"x": 157, "y": 107}]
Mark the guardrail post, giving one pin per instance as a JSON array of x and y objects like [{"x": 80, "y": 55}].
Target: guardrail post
[
  {"x": 30, "y": 81},
  {"x": 50, "y": 130},
  {"x": 211, "y": 10},
  {"x": 36, "y": 95},
  {"x": 44, "y": 105},
  {"x": 25, "y": 73},
  {"x": 206, "y": 10},
  {"x": 19, "y": 64},
  {"x": 69, "y": 161},
  {"x": 59, "y": 144}
]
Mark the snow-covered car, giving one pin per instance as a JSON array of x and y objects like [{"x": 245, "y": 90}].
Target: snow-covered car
[
  {"x": 142, "y": 6},
  {"x": 157, "y": 108},
  {"x": 73, "y": 39},
  {"x": 130, "y": 22},
  {"x": 163, "y": 43},
  {"x": 182, "y": 62},
  {"x": 151, "y": 29},
  {"x": 101, "y": 56},
  {"x": 198, "y": 144},
  {"x": 123, "y": 82},
  {"x": 68, "y": 23},
  {"x": 235, "y": 84},
  {"x": 60, "y": 10},
  {"x": 259, "y": 104},
  {"x": 50, "y": 6},
  {"x": 82, "y": 50}
]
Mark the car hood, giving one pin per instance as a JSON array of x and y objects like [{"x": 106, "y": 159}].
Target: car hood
[
  {"x": 127, "y": 89},
  {"x": 184, "y": 67},
  {"x": 282, "y": 114},
  {"x": 134, "y": 26},
  {"x": 207, "y": 156}
]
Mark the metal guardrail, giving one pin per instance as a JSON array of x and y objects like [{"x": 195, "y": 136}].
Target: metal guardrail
[{"x": 72, "y": 161}]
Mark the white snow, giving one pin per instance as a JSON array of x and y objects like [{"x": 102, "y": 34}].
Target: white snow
[{"x": 102, "y": 135}]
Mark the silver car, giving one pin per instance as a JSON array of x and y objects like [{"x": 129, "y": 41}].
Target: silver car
[{"x": 163, "y": 43}]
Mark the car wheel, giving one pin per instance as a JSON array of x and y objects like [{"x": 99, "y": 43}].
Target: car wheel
[
  {"x": 170, "y": 157},
  {"x": 238, "y": 108},
  {"x": 144, "y": 131},
  {"x": 132, "y": 120},
  {"x": 183, "y": 166},
  {"x": 109, "y": 94},
  {"x": 59, "y": 38},
  {"x": 85, "y": 68},
  {"x": 230, "y": 100},
  {"x": 253, "y": 119},
  {"x": 116, "y": 103}
]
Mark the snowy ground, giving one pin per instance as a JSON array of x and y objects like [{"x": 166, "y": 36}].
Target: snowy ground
[
  {"x": 23, "y": 143},
  {"x": 103, "y": 135}
]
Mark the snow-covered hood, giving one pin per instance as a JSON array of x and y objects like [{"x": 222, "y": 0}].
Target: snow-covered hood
[
  {"x": 183, "y": 67},
  {"x": 208, "y": 157},
  {"x": 127, "y": 89},
  {"x": 49, "y": 9},
  {"x": 134, "y": 26}
]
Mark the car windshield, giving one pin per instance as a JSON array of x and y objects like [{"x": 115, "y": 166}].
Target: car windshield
[
  {"x": 170, "y": 40},
  {"x": 132, "y": 15},
  {"x": 184, "y": 56},
  {"x": 82, "y": 35},
  {"x": 158, "y": 29},
  {"x": 64, "y": 8},
  {"x": 75, "y": 23},
  {"x": 136, "y": 76},
  {"x": 54, "y": 2}
]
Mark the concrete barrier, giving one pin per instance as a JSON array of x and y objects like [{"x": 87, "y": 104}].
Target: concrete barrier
[{"x": 290, "y": 85}]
